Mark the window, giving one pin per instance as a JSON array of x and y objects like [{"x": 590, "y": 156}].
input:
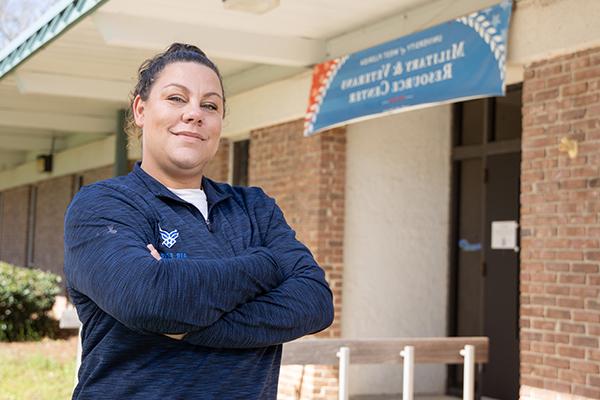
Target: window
[{"x": 240, "y": 163}]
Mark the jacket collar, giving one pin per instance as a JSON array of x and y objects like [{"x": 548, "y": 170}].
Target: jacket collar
[{"x": 213, "y": 193}]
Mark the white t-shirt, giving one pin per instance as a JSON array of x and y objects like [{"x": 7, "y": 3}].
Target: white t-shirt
[{"x": 197, "y": 197}]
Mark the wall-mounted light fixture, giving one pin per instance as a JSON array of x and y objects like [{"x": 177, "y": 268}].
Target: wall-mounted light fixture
[
  {"x": 251, "y": 6},
  {"x": 44, "y": 163},
  {"x": 569, "y": 146}
]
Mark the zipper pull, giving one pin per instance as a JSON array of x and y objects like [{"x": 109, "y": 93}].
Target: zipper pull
[{"x": 209, "y": 225}]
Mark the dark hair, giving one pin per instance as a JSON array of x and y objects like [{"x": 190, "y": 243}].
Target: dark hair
[{"x": 152, "y": 67}]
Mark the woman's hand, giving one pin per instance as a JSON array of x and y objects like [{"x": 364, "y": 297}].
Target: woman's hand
[
  {"x": 177, "y": 336},
  {"x": 153, "y": 252}
]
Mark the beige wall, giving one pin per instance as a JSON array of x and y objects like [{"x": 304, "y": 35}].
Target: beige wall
[{"x": 396, "y": 239}]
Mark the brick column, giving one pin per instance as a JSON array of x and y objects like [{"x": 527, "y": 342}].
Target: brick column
[
  {"x": 218, "y": 168},
  {"x": 307, "y": 177},
  {"x": 560, "y": 203},
  {"x": 13, "y": 233},
  {"x": 98, "y": 174},
  {"x": 52, "y": 200}
]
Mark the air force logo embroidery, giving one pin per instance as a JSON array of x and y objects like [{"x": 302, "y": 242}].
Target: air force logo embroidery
[{"x": 168, "y": 237}]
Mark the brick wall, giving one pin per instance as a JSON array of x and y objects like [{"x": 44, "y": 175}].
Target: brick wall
[
  {"x": 560, "y": 258},
  {"x": 97, "y": 174},
  {"x": 13, "y": 232},
  {"x": 218, "y": 168},
  {"x": 52, "y": 198},
  {"x": 307, "y": 176}
]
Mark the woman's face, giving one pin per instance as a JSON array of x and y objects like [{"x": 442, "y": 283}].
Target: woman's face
[{"x": 181, "y": 119}]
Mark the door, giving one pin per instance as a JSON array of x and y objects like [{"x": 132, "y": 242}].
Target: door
[
  {"x": 500, "y": 376},
  {"x": 485, "y": 282}
]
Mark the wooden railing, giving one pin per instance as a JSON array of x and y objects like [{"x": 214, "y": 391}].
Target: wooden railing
[{"x": 343, "y": 352}]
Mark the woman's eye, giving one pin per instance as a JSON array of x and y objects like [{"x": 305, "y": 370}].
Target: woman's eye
[
  {"x": 175, "y": 98},
  {"x": 210, "y": 106}
]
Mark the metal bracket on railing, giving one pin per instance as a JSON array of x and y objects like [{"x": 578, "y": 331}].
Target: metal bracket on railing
[
  {"x": 408, "y": 380},
  {"x": 344, "y": 356},
  {"x": 469, "y": 372}
]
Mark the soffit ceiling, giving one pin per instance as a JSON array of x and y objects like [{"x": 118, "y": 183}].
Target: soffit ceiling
[{"x": 70, "y": 91}]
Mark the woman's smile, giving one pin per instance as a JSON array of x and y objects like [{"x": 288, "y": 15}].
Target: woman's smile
[{"x": 190, "y": 134}]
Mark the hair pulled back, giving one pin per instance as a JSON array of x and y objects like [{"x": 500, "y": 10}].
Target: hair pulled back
[{"x": 152, "y": 67}]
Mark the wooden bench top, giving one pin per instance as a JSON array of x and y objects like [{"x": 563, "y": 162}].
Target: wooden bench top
[{"x": 445, "y": 350}]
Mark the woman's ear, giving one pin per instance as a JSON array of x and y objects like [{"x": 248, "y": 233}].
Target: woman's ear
[{"x": 138, "y": 111}]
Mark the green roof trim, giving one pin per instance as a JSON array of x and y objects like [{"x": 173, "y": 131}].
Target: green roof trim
[{"x": 54, "y": 23}]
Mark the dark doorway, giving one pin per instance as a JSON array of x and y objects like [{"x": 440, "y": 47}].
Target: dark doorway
[{"x": 485, "y": 280}]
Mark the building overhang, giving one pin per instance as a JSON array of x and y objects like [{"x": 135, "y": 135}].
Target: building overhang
[{"x": 63, "y": 81}]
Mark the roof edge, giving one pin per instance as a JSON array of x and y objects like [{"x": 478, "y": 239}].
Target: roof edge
[
  {"x": 50, "y": 26},
  {"x": 40, "y": 22}
]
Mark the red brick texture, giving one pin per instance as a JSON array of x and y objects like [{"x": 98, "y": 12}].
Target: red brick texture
[
  {"x": 307, "y": 178},
  {"x": 218, "y": 168},
  {"x": 13, "y": 228},
  {"x": 53, "y": 197},
  {"x": 96, "y": 174},
  {"x": 560, "y": 205}
]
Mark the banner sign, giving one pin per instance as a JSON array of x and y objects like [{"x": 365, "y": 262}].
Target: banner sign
[{"x": 456, "y": 60}]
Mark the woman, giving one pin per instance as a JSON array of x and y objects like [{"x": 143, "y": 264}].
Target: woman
[{"x": 186, "y": 288}]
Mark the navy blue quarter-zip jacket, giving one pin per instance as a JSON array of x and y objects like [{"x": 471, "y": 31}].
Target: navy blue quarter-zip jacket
[{"x": 239, "y": 285}]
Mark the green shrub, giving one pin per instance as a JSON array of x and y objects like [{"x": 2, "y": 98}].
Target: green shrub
[{"x": 26, "y": 296}]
